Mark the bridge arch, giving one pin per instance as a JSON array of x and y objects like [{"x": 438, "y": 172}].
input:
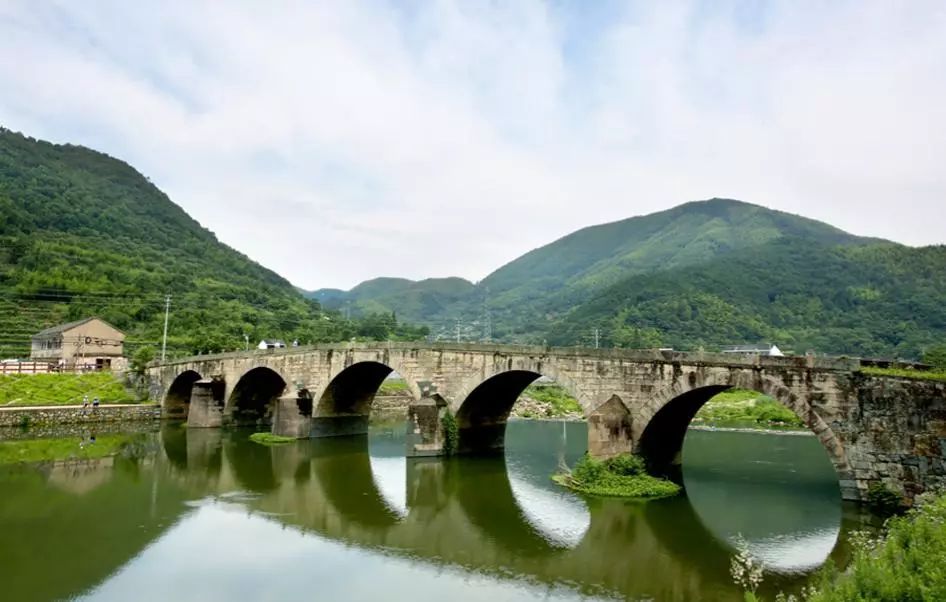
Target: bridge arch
[
  {"x": 177, "y": 399},
  {"x": 483, "y": 405},
  {"x": 253, "y": 397},
  {"x": 661, "y": 427},
  {"x": 352, "y": 389}
]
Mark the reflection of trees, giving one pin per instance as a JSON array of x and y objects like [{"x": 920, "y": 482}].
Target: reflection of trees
[{"x": 463, "y": 512}]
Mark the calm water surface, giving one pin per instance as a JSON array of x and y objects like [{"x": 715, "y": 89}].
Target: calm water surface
[{"x": 196, "y": 514}]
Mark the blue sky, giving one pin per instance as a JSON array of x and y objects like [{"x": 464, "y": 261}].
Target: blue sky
[{"x": 339, "y": 141}]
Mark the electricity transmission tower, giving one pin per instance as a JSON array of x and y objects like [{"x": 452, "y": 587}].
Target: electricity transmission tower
[{"x": 487, "y": 319}]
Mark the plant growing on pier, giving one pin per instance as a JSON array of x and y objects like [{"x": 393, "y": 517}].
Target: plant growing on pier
[
  {"x": 451, "y": 433},
  {"x": 882, "y": 500}
]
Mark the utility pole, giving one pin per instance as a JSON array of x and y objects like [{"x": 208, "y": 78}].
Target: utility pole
[
  {"x": 164, "y": 341},
  {"x": 597, "y": 335},
  {"x": 246, "y": 340}
]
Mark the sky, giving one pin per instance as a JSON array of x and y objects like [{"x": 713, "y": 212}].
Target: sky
[{"x": 335, "y": 142}]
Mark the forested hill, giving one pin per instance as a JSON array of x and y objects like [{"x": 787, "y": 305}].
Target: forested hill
[
  {"x": 707, "y": 273},
  {"x": 82, "y": 233}
]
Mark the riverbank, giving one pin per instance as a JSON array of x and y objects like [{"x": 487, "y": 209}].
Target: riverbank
[{"x": 23, "y": 390}]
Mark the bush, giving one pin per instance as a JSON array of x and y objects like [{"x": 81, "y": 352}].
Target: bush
[
  {"x": 602, "y": 478},
  {"x": 907, "y": 564},
  {"x": 626, "y": 465},
  {"x": 882, "y": 500},
  {"x": 451, "y": 433}
]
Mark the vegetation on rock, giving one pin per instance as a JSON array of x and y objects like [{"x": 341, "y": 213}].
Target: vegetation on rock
[
  {"x": 451, "y": 433},
  {"x": 621, "y": 476},
  {"x": 939, "y": 375}
]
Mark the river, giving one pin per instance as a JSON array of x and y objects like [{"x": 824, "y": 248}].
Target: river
[{"x": 199, "y": 514}]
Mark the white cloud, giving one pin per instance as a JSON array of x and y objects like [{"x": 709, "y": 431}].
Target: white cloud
[{"x": 334, "y": 142}]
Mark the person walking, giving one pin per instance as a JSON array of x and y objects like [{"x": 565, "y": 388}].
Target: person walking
[{"x": 95, "y": 404}]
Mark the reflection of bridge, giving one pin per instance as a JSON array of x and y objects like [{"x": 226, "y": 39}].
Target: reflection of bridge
[
  {"x": 873, "y": 428},
  {"x": 471, "y": 513},
  {"x": 464, "y": 512}
]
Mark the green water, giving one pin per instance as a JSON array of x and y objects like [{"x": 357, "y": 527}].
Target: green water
[{"x": 199, "y": 514}]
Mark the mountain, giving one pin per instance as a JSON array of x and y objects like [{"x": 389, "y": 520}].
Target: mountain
[
  {"x": 410, "y": 300},
  {"x": 712, "y": 273},
  {"x": 82, "y": 233}
]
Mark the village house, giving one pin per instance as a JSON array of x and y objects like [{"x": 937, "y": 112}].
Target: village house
[
  {"x": 89, "y": 344},
  {"x": 769, "y": 350},
  {"x": 267, "y": 344}
]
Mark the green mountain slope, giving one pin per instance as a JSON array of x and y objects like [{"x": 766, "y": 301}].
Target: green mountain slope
[
  {"x": 84, "y": 234},
  {"x": 713, "y": 273},
  {"x": 411, "y": 300},
  {"x": 866, "y": 299}
]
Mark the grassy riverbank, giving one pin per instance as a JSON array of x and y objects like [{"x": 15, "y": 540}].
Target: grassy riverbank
[
  {"x": 905, "y": 563},
  {"x": 47, "y": 450},
  {"x": 546, "y": 400},
  {"x": 62, "y": 389},
  {"x": 621, "y": 476},
  {"x": 740, "y": 407}
]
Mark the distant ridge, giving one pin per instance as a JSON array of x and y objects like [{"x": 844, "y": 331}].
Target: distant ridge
[{"x": 706, "y": 273}]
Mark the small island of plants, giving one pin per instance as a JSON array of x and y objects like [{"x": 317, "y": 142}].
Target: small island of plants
[
  {"x": 271, "y": 439},
  {"x": 622, "y": 476}
]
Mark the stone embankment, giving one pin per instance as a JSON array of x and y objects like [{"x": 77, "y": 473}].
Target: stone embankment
[
  {"x": 389, "y": 407},
  {"x": 56, "y": 415}
]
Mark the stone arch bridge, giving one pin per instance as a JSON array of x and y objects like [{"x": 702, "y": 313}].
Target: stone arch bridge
[{"x": 873, "y": 428}]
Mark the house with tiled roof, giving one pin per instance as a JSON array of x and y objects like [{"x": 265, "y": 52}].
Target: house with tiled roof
[{"x": 91, "y": 343}]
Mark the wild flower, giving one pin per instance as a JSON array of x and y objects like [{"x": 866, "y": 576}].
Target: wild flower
[{"x": 745, "y": 570}]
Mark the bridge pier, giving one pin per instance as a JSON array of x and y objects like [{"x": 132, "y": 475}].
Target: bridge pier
[
  {"x": 207, "y": 403},
  {"x": 609, "y": 430},
  {"x": 425, "y": 435},
  {"x": 292, "y": 416}
]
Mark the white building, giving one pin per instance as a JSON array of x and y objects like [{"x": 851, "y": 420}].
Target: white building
[{"x": 274, "y": 344}]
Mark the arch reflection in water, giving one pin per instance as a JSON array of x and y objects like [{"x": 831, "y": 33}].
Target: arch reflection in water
[
  {"x": 778, "y": 492},
  {"x": 500, "y": 519}
]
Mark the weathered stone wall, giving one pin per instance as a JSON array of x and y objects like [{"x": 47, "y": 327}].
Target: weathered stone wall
[
  {"x": 894, "y": 433},
  {"x": 873, "y": 429},
  {"x": 10, "y": 417}
]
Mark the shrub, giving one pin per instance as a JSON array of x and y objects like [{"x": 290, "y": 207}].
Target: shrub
[
  {"x": 599, "y": 478},
  {"x": 882, "y": 500},
  {"x": 451, "y": 433},
  {"x": 626, "y": 465}
]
